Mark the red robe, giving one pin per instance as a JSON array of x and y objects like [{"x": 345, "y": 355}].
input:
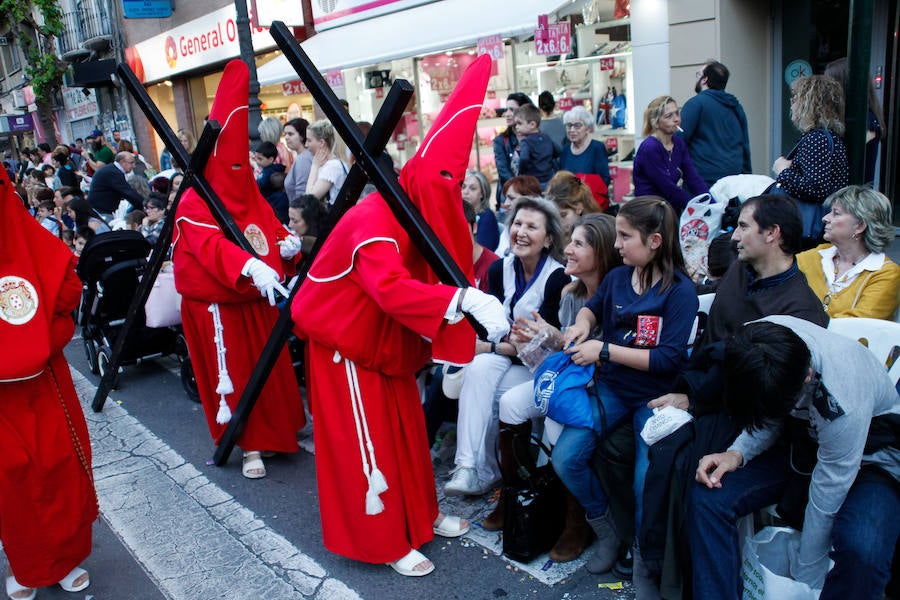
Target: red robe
[
  {"x": 47, "y": 498},
  {"x": 365, "y": 299},
  {"x": 208, "y": 271}
]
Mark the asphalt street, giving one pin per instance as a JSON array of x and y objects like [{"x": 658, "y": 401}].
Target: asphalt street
[{"x": 174, "y": 526}]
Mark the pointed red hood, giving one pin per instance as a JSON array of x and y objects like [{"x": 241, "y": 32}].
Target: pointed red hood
[
  {"x": 228, "y": 170},
  {"x": 433, "y": 177}
]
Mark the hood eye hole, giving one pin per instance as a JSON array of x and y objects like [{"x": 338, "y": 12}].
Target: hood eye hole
[
  {"x": 236, "y": 167},
  {"x": 446, "y": 174}
]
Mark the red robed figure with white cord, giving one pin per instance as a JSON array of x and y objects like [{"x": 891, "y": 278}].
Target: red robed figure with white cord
[
  {"x": 47, "y": 499},
  {"x": 374, "y": 314},
  {"x": 227, "y": 294}
]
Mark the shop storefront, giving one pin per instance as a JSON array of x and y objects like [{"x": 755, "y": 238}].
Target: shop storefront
[
  {"x": 181, "y": 69},
  {"x": 432, "y": 43}
]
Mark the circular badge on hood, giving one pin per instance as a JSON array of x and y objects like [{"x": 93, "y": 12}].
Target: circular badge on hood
[
  {"x": 18, "y": 300},
  {"x": 257, "y": 239}
]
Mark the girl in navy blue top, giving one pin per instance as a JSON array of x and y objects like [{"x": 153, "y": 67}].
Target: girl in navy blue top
[
  {"x": 662, "y": 160},
  {"x": 646, "y": 310}
]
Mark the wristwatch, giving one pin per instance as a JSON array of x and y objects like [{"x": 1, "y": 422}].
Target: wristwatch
[{"x": 604, "y": 353}]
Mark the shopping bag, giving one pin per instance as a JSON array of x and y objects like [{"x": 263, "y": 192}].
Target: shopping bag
[
  {"x": 766, "y": 566},
  {"x": 163, "y": 308},
  {"x": 701, "y": 222}
]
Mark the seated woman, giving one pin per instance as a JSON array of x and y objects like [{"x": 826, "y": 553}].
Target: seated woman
[
  {"x": 589, "y": 257},
  {"x": 662, "y": 160},
  {"x": 83, "y": 214},
  {"x": 328, "y": 172},
  {"x": 477, "y": 191},
  {"x": 585, "y": 156},
  {"x": 646, "y": 310},
  {"x": 572, "y": 197},
  {"x": 851, "y": 273},
  {"x": 513, "y": 189},
  {"x": 530, "y": 279}
]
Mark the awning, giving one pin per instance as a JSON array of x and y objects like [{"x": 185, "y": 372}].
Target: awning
[{"x": 420, "y": 30}]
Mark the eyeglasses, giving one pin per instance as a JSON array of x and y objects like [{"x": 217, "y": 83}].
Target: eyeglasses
[{"x": 574, "y": 125}]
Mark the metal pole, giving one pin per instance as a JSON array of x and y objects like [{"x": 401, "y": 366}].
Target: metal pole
[
  {"x": 859, "y": 44},
  {"x": 385, "y": 122},
  {"x": 245, "y": 40}
]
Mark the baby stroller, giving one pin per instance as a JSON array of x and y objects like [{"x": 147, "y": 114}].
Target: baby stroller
[{"x": 110, "y": 269}]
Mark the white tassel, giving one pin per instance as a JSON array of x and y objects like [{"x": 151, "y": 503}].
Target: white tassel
[
  {"x": 224, "y": 414},
  {"x": 377, "y": 482},
  {"x": 225, "y": 385},
  {"x": 374, "y": 505}
]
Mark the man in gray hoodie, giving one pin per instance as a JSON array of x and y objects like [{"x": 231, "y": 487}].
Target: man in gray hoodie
[
  {"x": 715, "y": 127},
  {"x": 795, "y": 386}
]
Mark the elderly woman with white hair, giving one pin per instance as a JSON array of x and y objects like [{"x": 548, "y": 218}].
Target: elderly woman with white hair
[
  {"x": 585, "y": 156},
  {"x": 850, "y": 273}
]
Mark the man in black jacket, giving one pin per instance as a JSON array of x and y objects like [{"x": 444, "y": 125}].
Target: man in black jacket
[{"x": 109, "y": 187}]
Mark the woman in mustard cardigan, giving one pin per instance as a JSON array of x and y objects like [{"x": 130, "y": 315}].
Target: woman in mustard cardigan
[{"x": 851, "y": 273}]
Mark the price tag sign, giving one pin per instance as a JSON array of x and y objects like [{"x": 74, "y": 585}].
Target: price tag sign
[
  {"x": 565, "y": 104},
  {"x": 441, "y": 84},
  {"x": 607, "y": 64},
  {"x": 612, "y": 143},
  {"x": 335, "y": 78},
  {"x": 491, "y": 45},
  {"x": 553, "y": 39},
  {"x": 292, "y": 88}
]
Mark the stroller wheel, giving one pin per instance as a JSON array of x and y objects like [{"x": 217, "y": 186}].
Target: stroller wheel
[
  {"x": 188, "y": 381},
  {"x": 103, "y": 365},
  {"x": 90, "y": 349}
]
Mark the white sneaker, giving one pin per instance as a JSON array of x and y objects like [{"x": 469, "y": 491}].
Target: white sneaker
[{"x": 464, "y": 482}]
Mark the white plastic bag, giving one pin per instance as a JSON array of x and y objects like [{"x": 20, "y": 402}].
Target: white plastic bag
[
  {"x": 767, "y": 565},
  {"x": 701, "y": 221},
  {"x": 665, "y": 421}
]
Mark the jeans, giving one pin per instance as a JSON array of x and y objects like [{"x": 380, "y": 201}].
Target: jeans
[
  {"x": 711, "y": 522},
  {"x": 575, "y": 447},
  {"x": 864, "y": 533}
]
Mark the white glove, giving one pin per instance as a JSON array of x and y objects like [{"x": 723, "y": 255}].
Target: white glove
[
  {"x": 488, "y": 311},
  {"x": 290, "y": 247},
  {"x": 265, "y": 278}
]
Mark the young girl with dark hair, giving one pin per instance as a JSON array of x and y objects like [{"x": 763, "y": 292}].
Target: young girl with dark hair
[{"x": 645, "y": 310}]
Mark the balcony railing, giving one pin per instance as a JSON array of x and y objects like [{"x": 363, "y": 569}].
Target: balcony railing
[
  {"x": 95, "y": 22},
  {"x": 71, "y": 38},
  {"x": 87, "y": 28}
]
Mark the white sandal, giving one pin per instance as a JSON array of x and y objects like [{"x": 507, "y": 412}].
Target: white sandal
[
  {"x": 449, "y": 527},
  {"x": 406, "y": 565},
  {"x": 68, "y": 582},
  {"x": 253, "y": 462},
  {"x": 14, "y": 587}
]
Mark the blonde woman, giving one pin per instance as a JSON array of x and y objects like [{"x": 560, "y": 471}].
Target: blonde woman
[
  {"x": 662, "y": 161},
  {"x": 850, "y": 273},
  {"x": 328, "y": 172}
]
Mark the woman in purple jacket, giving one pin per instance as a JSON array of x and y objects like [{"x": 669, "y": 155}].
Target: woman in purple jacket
[{"x": 662, "y": 162}]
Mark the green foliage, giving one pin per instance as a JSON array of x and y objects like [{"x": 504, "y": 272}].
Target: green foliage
[{"x": 44, "y": 68}]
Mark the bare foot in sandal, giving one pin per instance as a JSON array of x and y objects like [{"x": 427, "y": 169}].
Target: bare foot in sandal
[
  {"x": 414, "y": 564},
  {"x": 253, "y": 466}
]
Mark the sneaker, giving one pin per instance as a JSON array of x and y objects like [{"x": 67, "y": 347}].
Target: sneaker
[{"x": 463, "y": 482}]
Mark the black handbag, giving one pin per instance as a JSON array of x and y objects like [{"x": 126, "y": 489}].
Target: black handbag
[{"x": 534, "y": 511}]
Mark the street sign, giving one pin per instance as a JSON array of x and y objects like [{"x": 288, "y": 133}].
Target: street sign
[{"x": 147, "y": 9}]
